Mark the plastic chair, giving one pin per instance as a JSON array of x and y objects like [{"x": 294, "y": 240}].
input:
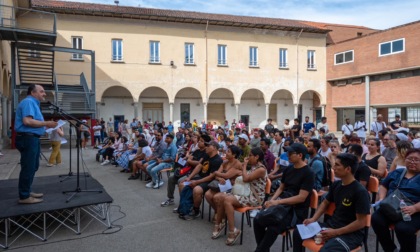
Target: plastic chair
[
  {"x": 287, "y": 237},
  {"x": 373, "y": 187},
  {"x": 310, "y": 243},
  {"x": 247, "y": 210}
]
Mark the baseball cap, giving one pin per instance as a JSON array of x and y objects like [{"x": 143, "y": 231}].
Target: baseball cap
[
  {"x": 84, "y": 121},
  {"x": 244, "y": 136},
  {"x": 298, "y": 148},
  {"x": 401, "y": 136},
  {"x": 416, "y": 143},
  {"x": 397, "y": 115},
  {"x": 214, "y": 143}
]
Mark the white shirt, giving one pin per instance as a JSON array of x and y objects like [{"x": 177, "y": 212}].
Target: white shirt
[
  {"x": 377, "y": 126},
  {"x": 275, "y": 148},
  {"x": 97, "y": 130},
  {"x": 147, "y": 151},
  {"x": 360, "y": 132},
  {"x": 322, "y": 125},
  {"x": 324, "y": 154},
  {"x": 347, "y": 129}
]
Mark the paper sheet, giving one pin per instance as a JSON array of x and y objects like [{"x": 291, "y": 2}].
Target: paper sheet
[
  {"x": 63, "y": 140},
  {"x": 226, "y": 187},
  {"x": 60, "y": 124},
  {"x": 308, "y": 231},
  {"x": 182, "y": 161}
]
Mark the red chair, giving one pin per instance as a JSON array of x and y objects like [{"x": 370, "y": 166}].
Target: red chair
[
  {"x": 247, "y": 210},
  {"x": 373, "y": 187},
  {"x": 287, "y": 237},
  {"x": 310, "y": 243}
]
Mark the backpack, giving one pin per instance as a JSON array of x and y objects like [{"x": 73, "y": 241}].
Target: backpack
[
  {"x": 326, "y": 163},
  {"x": 186, "y": 201}
]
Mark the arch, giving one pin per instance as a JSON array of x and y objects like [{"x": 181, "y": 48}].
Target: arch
[
  {"x": 311, "y": 94},
  {"x": 220, "y": 106},
  {"x": 253, "y": 106},
  {"x": 281, "y": 106},
  {"x": 153, "y": 104},
  {"x": 153, "y": 92},
  {"x": 310, "y": 103},
  {"x": 253, "y": 94},
  {"x": 187, "y": 106},
  {"x": 116, "y": 92},
  {"x": 222, "y": 93},
  {"x": 188, "y": 93},
  {"x": 282, "y": 94}
]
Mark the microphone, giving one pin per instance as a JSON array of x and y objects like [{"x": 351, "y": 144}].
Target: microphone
[{"x": 52, "y": 106}]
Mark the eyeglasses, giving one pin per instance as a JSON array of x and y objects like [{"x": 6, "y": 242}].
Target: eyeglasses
[{"x": 412, "y": 160}]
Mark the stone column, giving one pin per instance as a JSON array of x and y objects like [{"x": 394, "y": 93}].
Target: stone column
[
  {"x": 237, "y": 111},
  {"x": 267, "y": 111},
  {"x": 323, "y": 109},
  {"x": 296, "y": 110},
  {"x": 171, "y": 112},
  {"x": 205, "y": 112},
  {"x": 98, "y": 110},
  {"x": 136, "y": 109},
  {"x": 5, "y": 116}
]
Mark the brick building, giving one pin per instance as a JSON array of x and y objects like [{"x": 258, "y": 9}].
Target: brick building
[{"x": 376, "y": 73}]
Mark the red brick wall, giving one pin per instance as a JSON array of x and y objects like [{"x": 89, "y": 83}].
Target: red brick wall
[{"x": 366, "y": 53}]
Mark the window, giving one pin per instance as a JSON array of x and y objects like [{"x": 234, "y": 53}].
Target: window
[
  {"x": 222, "y": 55},
  {"x": 343, "y": 57},
  {"x": 154, "y": 52},
  {"x": 311, "y": 59},
  {"x": 77, "y": 43},
  {"x": 283, "y": 58},
  {"x": 117, "y": 50},
  {"x": 391, "y": 47},
  {"x": 189, "y": 53},
  {"x": 253, "y": 56}
]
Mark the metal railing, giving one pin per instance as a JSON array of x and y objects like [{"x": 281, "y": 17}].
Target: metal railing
[
  {"x": 90, "y": 97},
  {"x": 9, "y": 14}
]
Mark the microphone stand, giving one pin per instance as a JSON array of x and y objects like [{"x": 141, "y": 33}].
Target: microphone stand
[{"x": 68, "y": 117}]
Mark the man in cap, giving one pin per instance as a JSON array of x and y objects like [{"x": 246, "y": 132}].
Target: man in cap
[
  {"x": 394, "y": 125},
  {"x": 243, "y": 145}
]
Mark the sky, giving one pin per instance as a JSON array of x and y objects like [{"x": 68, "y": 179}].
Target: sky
[{"x": 377, "y": 14}]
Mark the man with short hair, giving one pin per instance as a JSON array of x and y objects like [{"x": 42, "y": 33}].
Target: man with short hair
[
  {"x": 347, "y": 128},
  {"x": 102, "y": 123},
  {"x": 323, "y": 124},
  {"x": 165, "y": 161},
  {"x": 242, "y": 144},
  {"x": 346, "y": 226},
  {"x": 226, "y": 127},
  {"x": 97, "y": 134},
  {"x": 255, "y": 140},
  {"x": 395, "y": 125},
  {"x": 363, "y": 172},
  {"x": 158, "y": 149},
  {"x": 268, "y": 156},
  {"x": 276, "y": 146},
  {"x": 233, "y": 124},
  {"x": 29, "y": 127},
  {"x": 315, "y": 162},
  {"x": 269, "y": 127},
  {"x": 360, "y": 128},
  {"x": 390, "y": 151},
  {"x": 110, "y": 126},
  {"x": 308, "y": 126},
  {"x": 180, "y": 137},
  {"x": 201, "y": 176},
  {"x": 378, "y": 125}
]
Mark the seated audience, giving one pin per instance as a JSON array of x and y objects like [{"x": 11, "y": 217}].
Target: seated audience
[
  {"x": 399, "y": 160},
  {"x": 362, "y": 173}
]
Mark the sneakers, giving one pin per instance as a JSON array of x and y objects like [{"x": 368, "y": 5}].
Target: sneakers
[
  {"x": 30, "y": 200},
  {"x": 175, "y": 210},
  {"x": 158, "y": 185},
  {"x": 50, "y": 165},
  {"x": 168, "y": 202},
  {"x": 134, "y": 177},
  {"x": 193, "y": 215},
  {"x": 105, "y": 162},
  {"x": 36, "y": 195},
  {"x": 150, "y": 184}
]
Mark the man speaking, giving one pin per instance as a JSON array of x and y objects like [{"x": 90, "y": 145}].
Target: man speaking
[{"x": 29, "y": 126}]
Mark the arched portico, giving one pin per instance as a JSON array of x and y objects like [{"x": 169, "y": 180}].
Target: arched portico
[
  {"x": 153, "y": 104},
  {"x": 221, "y": 106},
  {"x": 188, "y": 105},
  {"x": 116, "y": 103},
  {"x": 281, "y": 107},
  {"x": 253, "y": 110},
  {"x": 310, "y": 105}
]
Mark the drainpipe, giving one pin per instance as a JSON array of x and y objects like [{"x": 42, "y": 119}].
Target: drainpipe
[
  {"x": 207, "y": 74},
  {"x": 297, "y": 74},
  {"x": 368, "y": 112}
]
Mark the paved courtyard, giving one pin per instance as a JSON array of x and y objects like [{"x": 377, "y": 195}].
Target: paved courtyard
[{"x": 146, "y": 227}]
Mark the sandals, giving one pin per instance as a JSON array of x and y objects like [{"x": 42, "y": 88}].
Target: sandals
[
  {"x": 218, "y": 229},
  {"x": 233, "y": 237}
]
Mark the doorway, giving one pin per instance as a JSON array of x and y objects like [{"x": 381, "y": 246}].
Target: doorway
[
  {"x": 245, "y": 120},
  {"x": 117, "y": 120}
]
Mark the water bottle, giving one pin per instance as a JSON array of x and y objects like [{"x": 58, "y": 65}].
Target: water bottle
[{"x": 406, "y": 217}]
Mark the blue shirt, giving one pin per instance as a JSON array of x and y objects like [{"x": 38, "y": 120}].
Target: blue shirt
[
  {"x": 170, "y": 128},
  {"x": 29, "y": 107},
  {"x": 308, "y": 126},
  {"x": 409, "y": 187},
  {"x": 318, "y": 169},
  {"x": 170, "y": 152}
]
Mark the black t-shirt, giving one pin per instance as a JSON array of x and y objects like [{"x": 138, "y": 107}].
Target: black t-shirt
[
  {"x": 296, "y": 134},
  {"x": 198, "y": 154},
  {"x": 295, "y": 180},
  {"x": 362, "y": 173},
  {"x": 349, "y": 200},
  {"x": 394, "y": 124},
  {"x": 210, "y": 165},
  {"x": 345, "y": 148},
  {"x": 269, "y": 128}
]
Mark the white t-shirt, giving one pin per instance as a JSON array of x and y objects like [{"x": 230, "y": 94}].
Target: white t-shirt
[
  {"x": 324, "y": 154},
  {"x": 360, "y": 132},
  {"x": 97, "y": 130},
  {"x": 347, "y": 129},
  {"x": 147, "y": 151},
  {"x": 275, "y": 148},
  {"x": 377, "y": 126},
  {"x": 322, "y": 125}
]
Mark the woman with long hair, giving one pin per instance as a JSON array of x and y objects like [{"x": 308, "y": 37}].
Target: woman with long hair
[
  {"x": 226, "y": 203},
  {"x": 375, "y": 161},
  {"x": 399, "y": 160}
]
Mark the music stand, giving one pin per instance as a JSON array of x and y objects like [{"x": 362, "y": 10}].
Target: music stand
[{"x": 68, "y": 117}]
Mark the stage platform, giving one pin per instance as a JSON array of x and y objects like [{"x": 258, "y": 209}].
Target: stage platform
[{"x": 42, "y": 220}]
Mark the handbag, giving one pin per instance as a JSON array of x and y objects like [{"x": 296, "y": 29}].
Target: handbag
[
  {"x": 241, "y": 188},
  {"x": 214, "y": 186},
  {"x": 390, "y": 206}
]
